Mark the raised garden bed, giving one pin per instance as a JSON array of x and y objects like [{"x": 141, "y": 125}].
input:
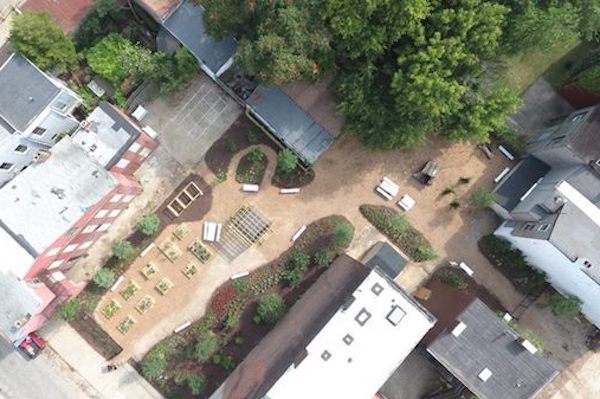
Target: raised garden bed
[
  {"x": 126, "y": 324},
  {"x": 190, "y": 270},
  {"x": 181, "y": 231},
  {"x": 200, "y": 251},
  {"x": 145, "y": 304},
  {"x": 250, "y": 169},
  {"x": 163, "y": 286},
  {"x": 129, "y": 290},
  {"x": 399, "y": 231},
  {"x": 298, "y": 178},
  {"x": 111, "y": 309},
  {"x": 230, "y": 315},
  {"x": 149, "y": 271},
  {"x": 170, "y": 249}
]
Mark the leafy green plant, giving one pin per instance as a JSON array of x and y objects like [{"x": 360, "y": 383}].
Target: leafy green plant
[
  {"x": 39, "y": 38},
  {"x": 196, "y": 383},
  {"x": 228, "y": 363},
  {"x": 104, "y": 278},
  {"x": 70, "y": 310},
  {"x": 232, "y": 146},
  {"x": 252, "y": 137},
  {"x": 287, "y": 162},
  {"x": 296, "y": 266},
  {"x": 454, "y": 281},
  {"x": 240, "y": 285},
  {"x": 239, "y": 340},
  {"x": 270, "y": 309},
  {"x": 321, "y": 258},
  {"x": 123, "y": 250},
  {"x": 482, "y": 197},
  {"x": 217, "y": 359},
  {"x": 149, "y": 224},
  {"x": 206, "y": 347},
  {"x": 342, "y": 235},
  {"x": 565, "y": 306},
  {"x": 256, "y": 155},
  {"x": 221, "y": 177}
]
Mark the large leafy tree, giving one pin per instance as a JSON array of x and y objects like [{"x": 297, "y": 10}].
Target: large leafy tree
[{"x": 40, "y": 39}]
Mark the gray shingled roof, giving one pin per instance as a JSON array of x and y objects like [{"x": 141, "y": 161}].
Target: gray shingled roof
[
  {"x": 384, "y": 256},
  {"x": 288, "y": 122},
  {"x": 187, "y": 25},
  {"x": 24, "y": 92},
  {"x": 487, "y": 342},
  {"x": 525, "y": 174}
]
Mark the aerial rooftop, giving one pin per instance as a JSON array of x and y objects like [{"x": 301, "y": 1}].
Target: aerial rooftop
[
  {"x": 46, "y": 199},
  {"x": 25, "y": 92},
  {"x": 106, "y": 135}
]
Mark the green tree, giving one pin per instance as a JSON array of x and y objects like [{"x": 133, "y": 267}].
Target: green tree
[
  {"x": 104, "y": 278},
  {"x": 154, "y": 364},
  {"x": 105, "y": 7},
  {"x": 287, "y": 162},
  {"x": 270, "y": 309},
  {"x": 116, "y": 59},
  {"x": 149, "y": 224},
  {"x": 342, "y": 235},
  {"x": 482, "y": 197},
  {"x": 589, "y": 19},
  {"x": 40, "y": 39},
  {"x": 175, "y": 71},
  {"x": 123, "y": 250},
  {"x": 70, "y": 310},
  {"x": 565, "y": 306},
  {"x": 206, "y": 347}
]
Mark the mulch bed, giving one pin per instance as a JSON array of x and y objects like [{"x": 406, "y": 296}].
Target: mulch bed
[
  {"x": 299, "y": 178},
  {"x": 250, "y": 171},
  {"x": 240, "y": 135}
]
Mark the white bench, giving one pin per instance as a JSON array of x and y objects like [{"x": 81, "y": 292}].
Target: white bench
[
  {"x": 406, "y": 202},
  {"x": 383, "y": 193},
  {"x": 298, "y": 233},
  {"x": 466, "y": 268},
  {"x": 239, "y": 275},
  {"x": 117, "y": 283},
  {"x": 146, "y": 250},
  {"x": 250, "y": 188},
  {"x": 182, "y": 327},
  {"x": 211, "y": 232},
  {"x": 289, "y": 191},
  {"x": 502, "y": 174}
]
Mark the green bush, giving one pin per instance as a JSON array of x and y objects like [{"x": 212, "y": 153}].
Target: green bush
[
  {"x": 252, "y": 137},
  {"x": 343, "y": 234},
  {"x": 155, "y": 363},
  {"x": 228, "y": 363},
  {"x": 232, "y": 146},
  {"x": 70, "y": 310},
  {"x": 175, "y": 71},
  {"x": 104, "y": 278},
  {"x": 240, "y": 285},
  {"x": 217, "y": 359},
  {"x": 39, "y": 38},
  {"x": 454, "y": 281},
  {"x": 287, "y": 162},
  {"x": 149, "y": 224},
  {"x": 239, "y": 340},
  {"x": 565, "y": 306},
  {"x": 270, "y": 309},
  {"x": 205, "y": 324},
  {"x": 321, "y": 258},
  {"x": 123, "y": 250},
  {"x": 296, "y": 266},
  {"x": 399, "y": 231},
  {"x": 482, "y": 197},
  {"x": 206, "y": 347},
  {"x": 256, "y": 155},
  {"x": 196, "y": 383}
]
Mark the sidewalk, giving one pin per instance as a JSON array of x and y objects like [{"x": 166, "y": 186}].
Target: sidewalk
[{"x": 123, "y": 383}]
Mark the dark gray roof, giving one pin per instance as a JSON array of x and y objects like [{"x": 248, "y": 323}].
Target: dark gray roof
[
  {"x": 384, "y": 256},
  {"x": 120, "y": 122},
  {"x": 286, "y": 120},
  {"x": 525, "y": 175},
  {"x": 487, "y": 342},
  {"x": 187, "y": 25},
  {"x": 24, "y": 92}
]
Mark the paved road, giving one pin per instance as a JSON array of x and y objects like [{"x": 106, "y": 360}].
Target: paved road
[{"x": 46, "y": 377}]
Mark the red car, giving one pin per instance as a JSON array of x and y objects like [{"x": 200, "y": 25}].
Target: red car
[{"x": 32, "y": 345}]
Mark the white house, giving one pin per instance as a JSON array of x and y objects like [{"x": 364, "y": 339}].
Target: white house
[
  {"x": 35, "y": 110},
  {"x": 550, "y": 203}
]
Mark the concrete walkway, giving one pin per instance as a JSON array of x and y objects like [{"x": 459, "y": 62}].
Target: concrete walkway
[{"x": 123, "y": 383}]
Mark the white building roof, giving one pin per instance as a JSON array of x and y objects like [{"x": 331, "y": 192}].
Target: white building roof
[
  {"x": 46, "y": 199},
  {"x": 15, "y": 259},
  {"x": 356, "y": 351}
]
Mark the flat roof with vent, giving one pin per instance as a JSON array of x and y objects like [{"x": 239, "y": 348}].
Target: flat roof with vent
[
  {"x": 360, "y": 346},
  {"x": 52, "y": 194}
]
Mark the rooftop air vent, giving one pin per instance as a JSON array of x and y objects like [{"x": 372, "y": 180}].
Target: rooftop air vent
[
  {"x": 59, "y": 192},
  {"x": 485, "y": 374},
  {"x": 528, "y": 345},
  {"x": 460, "y": 327}
]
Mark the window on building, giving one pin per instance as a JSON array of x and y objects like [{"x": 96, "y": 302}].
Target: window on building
[
  {"x": 21, "y": 148},
  {"x": 116, "y": 198},
  {"x": 135, "y": 147},
  {"x": 55, "y": 264},
  {"x": 145, "y": 152},
  {"x": 70, "y": 248},
  {"x": 72, "y": 231},
  {"x": 6, "y": 165},
  {"x": 90, "y": 229},
  {"x": 528, "y": 226},
  {"x": 52, "y": 252},
  {"x": 114, "y": 213},
  {"x": 123, "y": 163},
  {"x": 128, "y": 198},
  {"x": 86, "y": 244},
  {"x": 102, "y": 213},
  {"x": 104, "y": 227},
  {"x": 544, "y": 227},
  {"x": 60, "y": 105},
  {"x": 587, "y": 263},
  {"x": 38, "y": 131}
]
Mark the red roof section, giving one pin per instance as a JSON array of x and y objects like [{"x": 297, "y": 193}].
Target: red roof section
[{"x": 67, "y": 13}]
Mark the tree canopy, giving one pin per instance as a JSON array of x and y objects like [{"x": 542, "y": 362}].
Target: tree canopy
[{"x": 39, "y": 38}]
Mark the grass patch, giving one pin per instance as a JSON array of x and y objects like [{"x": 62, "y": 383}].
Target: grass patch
[{"x": 400, "y": 231}]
